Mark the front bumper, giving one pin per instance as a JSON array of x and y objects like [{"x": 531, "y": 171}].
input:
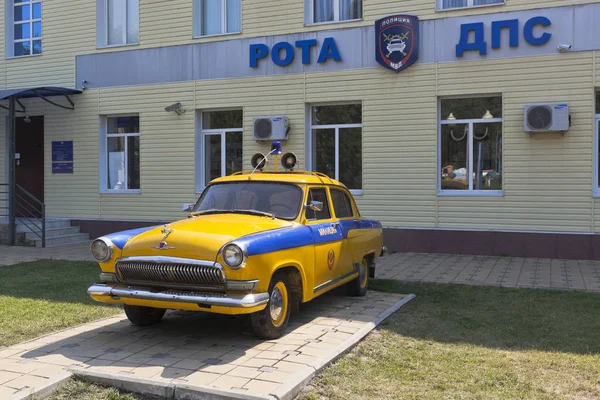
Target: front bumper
[{"x": 173, "y": 296}]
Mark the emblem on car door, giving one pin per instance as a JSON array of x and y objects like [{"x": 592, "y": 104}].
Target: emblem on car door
[{"x": 330, "y": 259}]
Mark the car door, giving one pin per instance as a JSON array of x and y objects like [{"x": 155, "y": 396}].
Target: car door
[
  {"x": 344, "y": 214},
  {"x": 327, "y": 236}
]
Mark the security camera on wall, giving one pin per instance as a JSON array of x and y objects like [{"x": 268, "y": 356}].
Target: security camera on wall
[{"x": 563, "y": 48}]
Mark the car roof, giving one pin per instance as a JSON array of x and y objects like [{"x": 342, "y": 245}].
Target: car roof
[{"x": 305, "y": 177}]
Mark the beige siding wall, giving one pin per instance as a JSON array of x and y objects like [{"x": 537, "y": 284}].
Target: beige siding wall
[{"x": 547, "y": 177}]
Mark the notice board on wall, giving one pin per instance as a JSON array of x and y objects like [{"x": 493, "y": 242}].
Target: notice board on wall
[{"x": 62, "y": 157}]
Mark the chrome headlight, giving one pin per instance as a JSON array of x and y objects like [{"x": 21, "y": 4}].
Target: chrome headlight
[
  {"x": 102, "y": 249},
  {"x": 234, "y": 256}
]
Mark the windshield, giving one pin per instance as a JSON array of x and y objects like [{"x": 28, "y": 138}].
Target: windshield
[{"x": 279, "y": 200}]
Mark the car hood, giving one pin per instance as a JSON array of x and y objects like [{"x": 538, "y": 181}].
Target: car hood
[{"x": 199, "y": 237}]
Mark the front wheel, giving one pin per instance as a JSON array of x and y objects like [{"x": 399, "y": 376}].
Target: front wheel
[
  {"x": 144, "y": 316},
  {"x": 271, "y": 322},
  {"x": 360, "y": 285}
]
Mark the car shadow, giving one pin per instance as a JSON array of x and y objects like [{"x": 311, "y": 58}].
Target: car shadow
[
  {"x": 498, "y": 318},
  {"x": 185, "y": 342}
]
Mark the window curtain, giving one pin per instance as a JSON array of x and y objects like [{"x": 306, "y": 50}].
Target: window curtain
[
  {"x": 350, "y": 9},
  {"x": 454, "y": 3},
  {"x": 323, "y": 10},
  {"x": 234, "y": 15},
  {"x": 210, "y": 11},
  {"x": 132, "y": 21},
  {"x": 116, "y": 22}
]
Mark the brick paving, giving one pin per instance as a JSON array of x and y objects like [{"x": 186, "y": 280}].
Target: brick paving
[
  {"x": 194, "y": 348},
  {"x": 492, "y": 271}
]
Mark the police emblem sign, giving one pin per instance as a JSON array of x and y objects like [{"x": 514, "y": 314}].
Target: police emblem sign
[{"x": 397, "y": 38}]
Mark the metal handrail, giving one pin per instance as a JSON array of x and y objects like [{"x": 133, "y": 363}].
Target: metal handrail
[
  {"x": 25, "y": 204},
  {"x": 41, "y": 203}
]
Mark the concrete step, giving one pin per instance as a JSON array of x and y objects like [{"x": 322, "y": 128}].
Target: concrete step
[
  {"x": 50, "y": 224},
  {"x": 63, "y": 240},
  {"x": 53, "y": 232}
]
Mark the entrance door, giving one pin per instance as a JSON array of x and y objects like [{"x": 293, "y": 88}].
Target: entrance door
[{"x": 29, "y": 168}]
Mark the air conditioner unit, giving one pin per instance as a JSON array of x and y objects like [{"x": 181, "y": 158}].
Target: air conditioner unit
[
  {"x": 549, "y": 117},
  {"x": 270, "y": 128}
]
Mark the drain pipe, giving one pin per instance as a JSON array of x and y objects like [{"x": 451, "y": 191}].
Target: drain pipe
[{"x": 11, "y": 172}]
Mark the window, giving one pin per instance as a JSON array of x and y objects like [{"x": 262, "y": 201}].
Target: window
[
  {"x": 221, "y": 137},
  {"x": 471, "y": 145},
  {"x": 118, "y": 22},
  {"x": 24, "y": 34},
  {"x": 449, "y": 4},
  {"x": 321, "y": 196},
  {"x": 341, "y": 204},
  {"x": 323, "y": 11},
  {"x": 283, "y": 200},
  {"x": 336, "y": 143},
  {"x": 217, "y": 17},
  {"x": 121, "y": 146}
]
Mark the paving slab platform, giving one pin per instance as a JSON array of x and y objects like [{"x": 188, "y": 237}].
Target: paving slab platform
[{"x": 196, "y": 355}]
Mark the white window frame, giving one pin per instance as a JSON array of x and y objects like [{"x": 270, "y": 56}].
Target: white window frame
[
  {"x": 596, "y": 179},
  {"x": 104, "y": 155},
  {"x": 102, "y": 25},
  {"x": 201, "y": 147},
  {"x": 311, "y": 143},
  {"x": 470, "y": 4},
  {"x": 309, "y": 6},
  {"x": 470, "y": 123},
  {"x": 10, "y": 27},
  {"x": 197, "y": 15}
]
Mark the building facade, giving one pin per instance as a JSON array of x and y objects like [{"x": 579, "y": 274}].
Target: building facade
[{"x": 437, "y": 151}]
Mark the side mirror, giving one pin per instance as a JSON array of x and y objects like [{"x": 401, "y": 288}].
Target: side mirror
[
  {"x": 188, "y": 208},
  {"x": 315, "y": 206}
]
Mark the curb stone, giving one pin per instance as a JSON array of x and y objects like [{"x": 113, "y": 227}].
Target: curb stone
[
  {"x": 169, "y": 391},
  {"x": 54, "y": 384},
  {"x": 128, "y": 383}
]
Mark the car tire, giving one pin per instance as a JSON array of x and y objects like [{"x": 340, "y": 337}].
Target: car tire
[
  {"x": 271, "y": 322},
  {"x": 359, "y": 286},
  {"x": 144, "y": 316}
]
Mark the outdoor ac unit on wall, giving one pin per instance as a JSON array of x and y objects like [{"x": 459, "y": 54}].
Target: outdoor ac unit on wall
[
  {"x": 270, "y": 128},
  {"x": 549, "y": 117}
]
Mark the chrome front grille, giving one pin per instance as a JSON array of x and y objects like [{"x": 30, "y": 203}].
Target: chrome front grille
[{"x": 170, "y": 272}]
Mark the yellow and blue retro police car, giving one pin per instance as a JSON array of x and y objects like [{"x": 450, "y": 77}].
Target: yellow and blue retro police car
[{"x": 256, "y": 243}]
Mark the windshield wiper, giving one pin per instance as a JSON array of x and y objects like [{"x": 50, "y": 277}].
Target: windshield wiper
[
  {"x": 236, "y": 211},
  {"x": 254, "y": 212},
  {"x": 211, "y": 211}
]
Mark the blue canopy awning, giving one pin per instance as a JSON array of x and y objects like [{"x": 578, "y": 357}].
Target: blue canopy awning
[{"x": 42, "y": 92}]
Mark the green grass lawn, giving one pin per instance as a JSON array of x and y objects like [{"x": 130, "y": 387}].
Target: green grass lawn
[
  {"x": 44, "y": 296},
  {"x": 468, "y": 342}
]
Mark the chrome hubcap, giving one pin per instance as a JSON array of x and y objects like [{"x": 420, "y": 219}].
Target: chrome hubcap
[{"x": 276, "y": 304}]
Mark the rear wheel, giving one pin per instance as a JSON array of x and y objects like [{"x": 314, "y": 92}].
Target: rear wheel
[
  {"x": 144, "y": 316},
  {"x": 360, "y": 285},
  {"x": 271, "y": 322}
]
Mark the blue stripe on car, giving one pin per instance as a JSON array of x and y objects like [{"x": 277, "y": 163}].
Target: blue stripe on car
[
  {"x": 120, "y": 238},
  {"x": 302, "y": 235}
]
